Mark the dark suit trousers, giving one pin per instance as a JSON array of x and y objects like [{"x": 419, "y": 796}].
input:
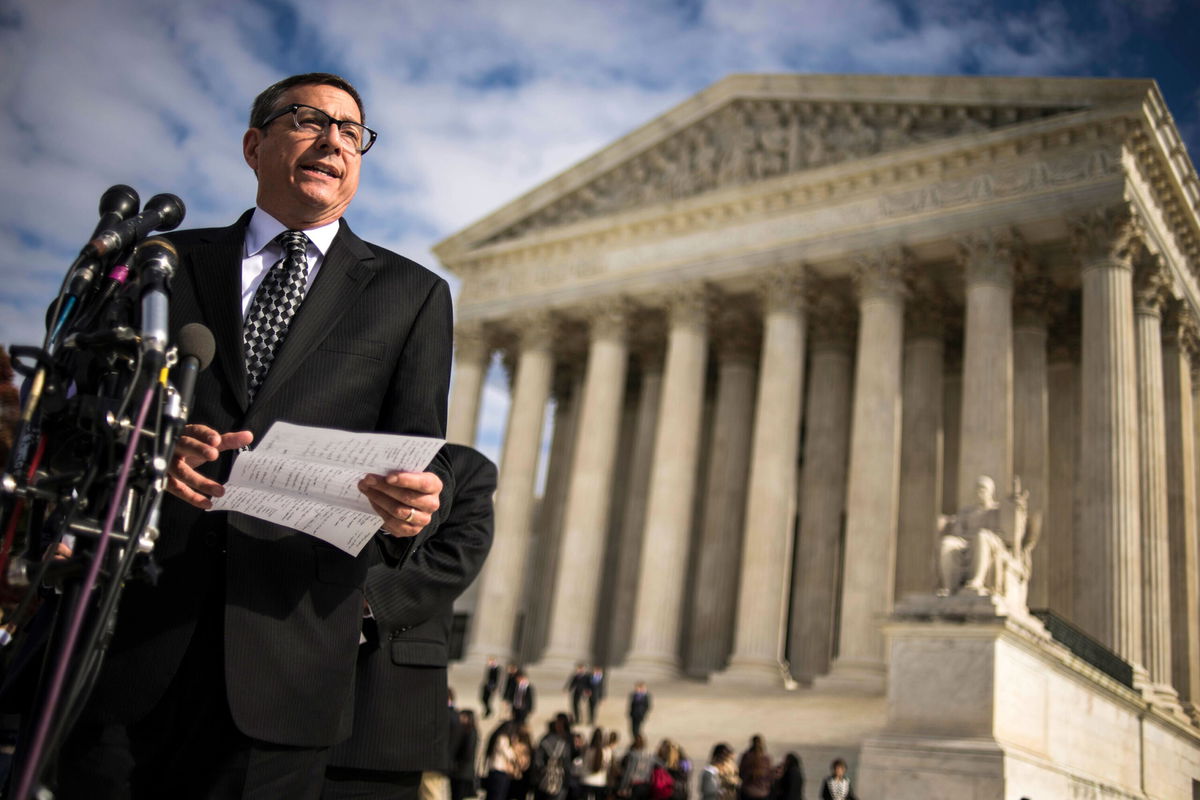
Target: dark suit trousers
[
  {"x": 345, "y": 783},
  {"x": 188, "y": 747}
]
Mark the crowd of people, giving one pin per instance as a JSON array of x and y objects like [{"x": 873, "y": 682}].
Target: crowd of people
[{"x": 566, "y": 763}]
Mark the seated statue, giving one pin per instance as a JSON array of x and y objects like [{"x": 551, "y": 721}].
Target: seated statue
[{"x": 983, "y": 547}]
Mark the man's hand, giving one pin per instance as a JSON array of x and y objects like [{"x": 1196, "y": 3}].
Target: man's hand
[
  {"x": 405, "y": 501},
  {"x": 198, "y": 445}
]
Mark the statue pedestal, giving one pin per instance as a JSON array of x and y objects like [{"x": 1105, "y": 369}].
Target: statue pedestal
[{"x": 984, "y": 703}]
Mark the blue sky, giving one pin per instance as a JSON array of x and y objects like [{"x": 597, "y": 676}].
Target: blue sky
[{"x": 475, "y": 101}]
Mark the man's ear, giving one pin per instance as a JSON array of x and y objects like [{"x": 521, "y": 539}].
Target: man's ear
[{"x": 250, "y": 142}]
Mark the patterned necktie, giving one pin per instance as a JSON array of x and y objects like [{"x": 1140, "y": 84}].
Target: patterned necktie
[{"x": 274, "y": 305}]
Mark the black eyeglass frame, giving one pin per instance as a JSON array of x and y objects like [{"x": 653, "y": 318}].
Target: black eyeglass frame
[{"x": 292, "y": 108}]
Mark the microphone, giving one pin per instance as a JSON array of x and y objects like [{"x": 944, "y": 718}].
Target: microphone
[
  {"x": 163, "y": 212},
  {"x": 117, "y": 204},
  {"x": 196, "y": 350},
  {"x": 155, "y": 261}
]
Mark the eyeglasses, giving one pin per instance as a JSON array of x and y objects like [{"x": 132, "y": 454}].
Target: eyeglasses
[{"x": 354, "y": 135}]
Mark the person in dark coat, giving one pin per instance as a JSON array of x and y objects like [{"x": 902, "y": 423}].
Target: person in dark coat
[
  {"x": 790, "y": 783},
  {"x": 510, "y": 681},
  {"x": 462, "y": 757},
  {"x": 402, "y": 716},
  {"x": 755, "y": 771},
  {"x": 491, "y": 681},
  {"x": 639, "y": 707},
  {"x": 595, "y": 693},
  {"x": 523, "y": 699},
  {"x": 577, "y": 686}
]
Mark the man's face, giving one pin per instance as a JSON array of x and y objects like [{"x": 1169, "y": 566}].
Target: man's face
[{"x": 305, "y": 180}]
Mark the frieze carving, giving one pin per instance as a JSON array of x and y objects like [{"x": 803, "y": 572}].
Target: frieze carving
[{"x": 754, "y": 140}]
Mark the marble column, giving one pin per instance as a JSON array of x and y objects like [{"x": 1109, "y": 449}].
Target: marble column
[
  {"x": 1179, "y": 354},
  {"x": 471, "y": 356},
  {"x": 503, "y": 575},
  {"x": 921, "y": 436},
  {"x": 633, "y": 515},
  {"x": 654, "y": 651},
  {"x": 985, "y": 438},
  {"x": 622, "y": 489},
  {"x": 1108, "y": 604},
  {"x": 1031, "y": 438},
  {"x": 567, "y": 389},
  {"x": 1150, "y": 295},
  {"x": 724, "y": 496},
  {"x": 816, "y": 566},
  {"x": 1064, "y": 412},
  {"x": 952, "y": 420},
  {"x": 874, "y": 479},
  {"x": 770, "y": 502},
  {"x": 585, "y": 520}
]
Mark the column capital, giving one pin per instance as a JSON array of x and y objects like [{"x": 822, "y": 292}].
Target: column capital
[
  {"x": 883, "y": 274},
  {"x": 834, "y": 317},
  {"x": 989, "y": 256},
  {"x": 608, "y": 317},
  {"x": 535, "y": 330},
  {"x": 737, "y": 334},
  {"x": 1181, "y": 328},
  {"x": 1106, "y": 236},
  {"x": 782, "y": 287},
  {"x": 691, "y": 304},
  {"x": 472, "y": 340},
  {"x": 1151, "y": 280}
]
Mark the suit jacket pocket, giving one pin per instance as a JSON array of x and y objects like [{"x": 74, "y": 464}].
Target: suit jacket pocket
[
  {"x": 345, "y": 345},
  {"x": 419, "y": 653}
]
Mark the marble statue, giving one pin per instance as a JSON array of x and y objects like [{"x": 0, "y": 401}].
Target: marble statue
[{"x": 984, "y": 549}]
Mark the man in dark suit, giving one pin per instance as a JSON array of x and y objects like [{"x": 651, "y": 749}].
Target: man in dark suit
[
  {"x": 510, "y": 681},
  {"x": 577, "y": 686},
  {"x": 491, "y": 680},
  {"x": 523, "y": 698},
  {"x": 595, "y": 692},
  {"x": 639, "y": 707},
  {"x": 400, "y": 697},
  {"x": 236, "y": 671}
]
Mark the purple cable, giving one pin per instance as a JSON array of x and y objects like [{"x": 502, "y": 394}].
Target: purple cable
[{"x": 60, "y": 669}]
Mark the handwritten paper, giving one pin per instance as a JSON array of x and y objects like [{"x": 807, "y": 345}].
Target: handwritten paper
[{"x": 307, "y": 478}]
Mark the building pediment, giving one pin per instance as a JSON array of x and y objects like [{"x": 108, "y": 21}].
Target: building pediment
[{"x": 756, "y": 128}]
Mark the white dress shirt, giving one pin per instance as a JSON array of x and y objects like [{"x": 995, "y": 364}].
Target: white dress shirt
[{"x": 261, "y": 252}]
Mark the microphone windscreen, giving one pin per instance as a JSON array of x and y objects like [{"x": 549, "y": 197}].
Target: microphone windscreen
[
  {"x": 197, "y": 340},
  {"x": 169, "y": 207}
]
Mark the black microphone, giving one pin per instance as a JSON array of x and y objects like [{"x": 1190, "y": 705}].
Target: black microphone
[
  {"x": 117, "y": 204},
  {"x": 155, "y": 260},
  {"x": 196, "y": 350},
  {"x": 163, "y": 212}
]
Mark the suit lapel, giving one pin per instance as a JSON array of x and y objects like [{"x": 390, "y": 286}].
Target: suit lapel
[
  {"x": 217, "y": 277},
  {"x": 345, "y": 272}
]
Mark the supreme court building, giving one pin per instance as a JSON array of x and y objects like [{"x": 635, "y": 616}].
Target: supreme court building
[{"x": 786, "y": 325}]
